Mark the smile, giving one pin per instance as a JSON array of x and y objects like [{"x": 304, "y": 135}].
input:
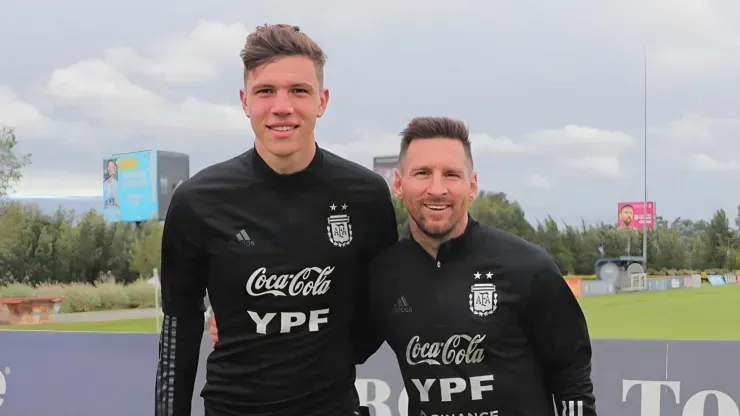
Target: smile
[
  {"x": 437, "y": 207},
  {"x": 282, "y": 128}
]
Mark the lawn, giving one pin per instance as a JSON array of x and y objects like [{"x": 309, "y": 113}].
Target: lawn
[
  {"x": 710, "y": 312},
  {"x": 705, "y": 313}
]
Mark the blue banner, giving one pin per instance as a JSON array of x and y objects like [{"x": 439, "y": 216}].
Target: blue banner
[{"x": 130, "y": 187}]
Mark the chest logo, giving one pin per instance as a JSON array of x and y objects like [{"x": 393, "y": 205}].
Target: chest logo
[
  {"x": 483, "y": 298},
  {"x": 339, "y": 228}
]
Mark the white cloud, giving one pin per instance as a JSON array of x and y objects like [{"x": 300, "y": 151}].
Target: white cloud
[
  {"x": 696, "y": 131},
  {"x": 197, "y": 57},
  {"x": 534, "y": 180},
  {"x": 684, "y": 38},
  {"x": 102, "y": 94},
  {"x": 703, "y": 162},
  {"x": 40, "y": 183},
  {"x": 485, "y": 145},
  {"x": 579, "y": 140},
  {"x": 601, "y": 167},
  {"x": 30, "y": 122}
]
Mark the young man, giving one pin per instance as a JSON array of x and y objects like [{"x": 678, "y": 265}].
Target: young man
[
  {"x": 281, "y": 237},
  {"x": 481, "y": 321}
]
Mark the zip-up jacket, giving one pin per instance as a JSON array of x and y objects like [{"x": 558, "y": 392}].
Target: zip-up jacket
[
  {"x": 488, "y": 327},
  {"x": 284, "y": 259}
]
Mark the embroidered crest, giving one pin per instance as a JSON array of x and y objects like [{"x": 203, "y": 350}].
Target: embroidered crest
[
  {"x": 339, "y": 228},
  {"x": 483, "y": 298}
]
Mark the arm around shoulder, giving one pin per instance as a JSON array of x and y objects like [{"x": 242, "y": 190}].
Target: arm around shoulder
[
  {"x": 383, "y": 236},
  {"x": 183, "y": 282},
  {"x": 559, "y": 334}
]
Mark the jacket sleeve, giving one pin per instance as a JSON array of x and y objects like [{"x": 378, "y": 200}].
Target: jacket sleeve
[
  {"x": 183, "y": 281},
  {"x": 383, "y": 235},
  {"x": 560, "y": 338}
]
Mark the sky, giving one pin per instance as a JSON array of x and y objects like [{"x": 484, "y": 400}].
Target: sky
[{"x": 553, "y": 92}]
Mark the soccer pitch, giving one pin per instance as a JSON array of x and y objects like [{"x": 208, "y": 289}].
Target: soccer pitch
[{"x": 707, "y": 313}]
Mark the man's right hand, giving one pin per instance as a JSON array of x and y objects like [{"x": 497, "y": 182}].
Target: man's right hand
[{"x": 213, "y": 329}]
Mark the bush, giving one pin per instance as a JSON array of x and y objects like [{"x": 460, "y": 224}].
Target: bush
[
  {"x": 85, "y": 297},
  {"x": 141, "y": 294}
]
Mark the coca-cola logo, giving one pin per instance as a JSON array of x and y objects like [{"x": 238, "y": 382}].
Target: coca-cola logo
[
  {"x": 457, "y": 349},
  {"x": 261, "y": 283}
]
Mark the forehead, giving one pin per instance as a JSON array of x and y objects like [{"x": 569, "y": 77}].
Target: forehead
[
  {"x": 285, "y": 70},
  {"x": 436, "y": 153}
]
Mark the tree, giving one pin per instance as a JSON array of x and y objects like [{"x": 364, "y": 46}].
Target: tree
[{"x": 10, "y": 162}]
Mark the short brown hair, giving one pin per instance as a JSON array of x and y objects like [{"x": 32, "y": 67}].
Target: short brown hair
[
  {"x": 270, "y": 42},
  {"x": 436, "y": 128}
]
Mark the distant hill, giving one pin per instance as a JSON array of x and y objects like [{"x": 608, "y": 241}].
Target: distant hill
[{"x": 79, "y": 204}]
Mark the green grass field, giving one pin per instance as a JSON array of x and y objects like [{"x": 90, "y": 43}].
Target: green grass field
[{"x": 706, "y": 313}]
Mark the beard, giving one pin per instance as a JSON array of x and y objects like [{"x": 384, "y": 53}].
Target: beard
[{"x": 433, "y": 232}]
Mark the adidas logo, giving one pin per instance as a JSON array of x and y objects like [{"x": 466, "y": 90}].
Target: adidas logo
[
  {"x": 243, "y": 238},
  {"x": 401, "y": 305}
]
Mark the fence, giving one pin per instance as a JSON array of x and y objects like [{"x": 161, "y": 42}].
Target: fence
[
  {"x": 93, "y": 374},
  {"x": 583, "y": 288}
]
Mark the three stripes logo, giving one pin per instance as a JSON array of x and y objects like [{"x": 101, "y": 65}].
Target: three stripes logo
[
  {"x": 401, "y": 305},
  {"x": 571, "y": 408},
  {"x": 243, "y": 238}
]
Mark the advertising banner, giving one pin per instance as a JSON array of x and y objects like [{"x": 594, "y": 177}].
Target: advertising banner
[
  {"x": 657, "y": 284},
  {"x": 716, "y": 280},
  {"x": 675, "y": 282},
  {"x": 93, "y": 374},
  {"x": 138, "y": 186},
  {"x": 575, "y": 286},
  {"x": 130, "y": 187},
  {"x": 632, "y": 215},
  {"x": 596, "y": 288},
  {"x": 384, "y": 166}
]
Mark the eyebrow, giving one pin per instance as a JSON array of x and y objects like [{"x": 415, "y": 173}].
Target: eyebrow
[{"x": 296, "y": 85}]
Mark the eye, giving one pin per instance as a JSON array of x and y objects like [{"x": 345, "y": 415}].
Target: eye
[
  {"x": 264, "y": 91},
  {"x": 300, "y": 90}
]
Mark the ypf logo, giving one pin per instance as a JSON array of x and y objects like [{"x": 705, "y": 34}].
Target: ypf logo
[{"x": 3, "y": 383}]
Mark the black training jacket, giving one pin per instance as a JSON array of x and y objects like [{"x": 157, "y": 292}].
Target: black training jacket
[
  {"x": 488, "y": 328},
  {"x": 284, "y": 259}
]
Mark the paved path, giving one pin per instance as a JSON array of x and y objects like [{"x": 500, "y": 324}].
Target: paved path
[{"x": 106, "y": 315}]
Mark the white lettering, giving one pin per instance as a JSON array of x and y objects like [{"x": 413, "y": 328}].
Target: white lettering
[
  {"x": 316, "y": 318},
  {"x": 382, "y": 394},
  {"x": 454, "y": 385},
  {"x": 448, "y": 386},
  {"x": 447, "y": 352},
  {"x": 725, "y": 405},
  {"x": 477, "y": 388},
  {"x": 290, "y": 320},
  {"x": 3, "y": 384},
  {"x": 261, "y": 322},
  {"x": 423, "y": 388},
  {"x": 650, "y": 393},
  {"x": 299, "y": 284}
]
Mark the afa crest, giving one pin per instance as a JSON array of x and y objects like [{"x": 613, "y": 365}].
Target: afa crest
[
  {"x": 339, "y": 228},
  {"x": 483, "y": 299}
]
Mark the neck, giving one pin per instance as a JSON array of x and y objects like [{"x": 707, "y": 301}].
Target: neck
[
  {"x": 431, "y": 244},
  {"x": 286, "y": 165}
]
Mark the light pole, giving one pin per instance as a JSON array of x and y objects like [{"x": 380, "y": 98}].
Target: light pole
[{"x": 644, "y": 204}]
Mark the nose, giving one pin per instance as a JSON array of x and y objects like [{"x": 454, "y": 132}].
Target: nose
[
  {"x": 437, "y": 185},
  {"x": 282, "y": 104}
]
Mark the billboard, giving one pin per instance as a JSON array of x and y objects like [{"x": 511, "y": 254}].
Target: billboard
[
  {"x": 384, "y": 165},
  {"x": 631, "y": 215},
  {"x": 113, "y": 374},
  {"x": 138, "y": 186}
]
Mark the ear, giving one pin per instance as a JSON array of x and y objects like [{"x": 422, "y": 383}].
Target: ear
[
  {"x": 323, "y": 102},
  {"x": 397, "y": 181},
  {"x": 473, "y": 186},
  {"x": 243, "y": 99}
]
